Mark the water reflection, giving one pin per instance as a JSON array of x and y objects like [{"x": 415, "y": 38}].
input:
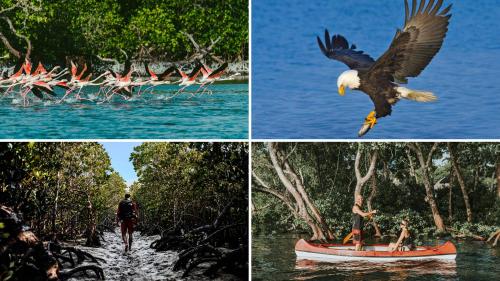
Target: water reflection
[
  {"x": 273, "y": 258},
  {"x": 359, "y": 270}
]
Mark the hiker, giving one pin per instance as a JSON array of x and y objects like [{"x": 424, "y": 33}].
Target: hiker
[
  {"x": 127, "y": 214},
  {"x": 405, "y": 241},
  {"x": 357, "y": 218}
]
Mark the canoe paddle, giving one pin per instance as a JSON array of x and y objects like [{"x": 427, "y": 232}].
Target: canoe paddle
[{"x": 347, "y": 238}]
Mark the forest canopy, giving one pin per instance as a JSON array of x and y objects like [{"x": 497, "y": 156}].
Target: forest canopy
[
  {"x": 440, "y": 187},
  {"x": 62, "y": 190},
  {"x": 111, "y": 29},
  {"x": 192, "y": 196},
  {"x": 189, "y": 184}
]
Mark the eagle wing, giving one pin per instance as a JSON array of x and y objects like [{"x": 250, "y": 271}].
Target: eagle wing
[
  {"x": 421, "y": 38},
  {"x": 337, "y": 48}
]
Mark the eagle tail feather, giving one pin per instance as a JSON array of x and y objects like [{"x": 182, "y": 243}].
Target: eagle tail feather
[{"x": 418, "y": 96}]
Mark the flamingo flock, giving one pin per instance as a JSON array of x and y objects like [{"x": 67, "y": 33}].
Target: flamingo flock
[{"x": 42, "y": 83}]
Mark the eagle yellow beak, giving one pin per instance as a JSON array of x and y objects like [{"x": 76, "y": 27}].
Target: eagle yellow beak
[{"x": 342, "y": 90}]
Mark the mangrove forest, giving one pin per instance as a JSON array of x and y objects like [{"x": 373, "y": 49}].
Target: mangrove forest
[
  {"x": 58, "y": 211},
  {"x": 447, "y": 190}
]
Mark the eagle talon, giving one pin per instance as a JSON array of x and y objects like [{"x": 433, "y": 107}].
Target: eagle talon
[{"x": 371, "y": 119}]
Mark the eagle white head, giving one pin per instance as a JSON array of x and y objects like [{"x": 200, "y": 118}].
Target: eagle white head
[{"x": 348, "y": 79}]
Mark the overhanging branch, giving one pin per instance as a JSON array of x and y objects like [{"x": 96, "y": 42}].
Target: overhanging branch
[{"x": 25, "y": 38}]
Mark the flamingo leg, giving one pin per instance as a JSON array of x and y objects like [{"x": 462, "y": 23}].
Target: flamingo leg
[
  {"x": 78, "y": 94},
  {"x": 65, "y": 95},
  {"x": 201, "y": 86},
  {"x": 182, "y": 89},
  {"x": 24, "y": 94},
  {"x": 207, "y": 90}
]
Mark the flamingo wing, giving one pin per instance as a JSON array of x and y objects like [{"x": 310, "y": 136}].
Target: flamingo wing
[
  {"x": 37, "y": 93},
  {"x": 73, "y": 69},
  {"x": 181, "y": 73},
  {"x": 195, "y": 72},
  {"x": 128, "y": 68},
  {"x": 82, "y": 72},
  {"x": 151, "y": 73},
  {"x": 219, "y": 71},
  {"x": 167, "y": 73},
  {"x": 63, "y": 85},
  {"x": 49, "y": 91}
]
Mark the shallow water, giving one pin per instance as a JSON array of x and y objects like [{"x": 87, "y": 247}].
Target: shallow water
[
  {"x": 273, "y": 258},
  {"x": 140, "y": 264},
  {"x": 161, "y": 115},
  {"x": 294, "y": 91}
]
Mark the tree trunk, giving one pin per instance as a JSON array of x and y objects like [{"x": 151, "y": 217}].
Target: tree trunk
[
  {"x": 498, "y": 177},
  {"x": 461, "y": 181},
  {"x": 92, "y": 237},
  {"x": 373, "y": 193},
  {"x": 54, "y": 209},
  {"x": 295, "y": 197},
  {"x": 450, "y": 196},
  {"x": 425, "y": 166},
  {"x": 361, "y": 180},
  {"x": 412, "y": 166},
  {"x": 9, "y": 46},
  {"x": 310, "y": 205}
]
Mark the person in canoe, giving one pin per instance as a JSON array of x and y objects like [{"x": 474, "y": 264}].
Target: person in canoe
[
  {"x": 357, "y": 225},
  {"x": 405, "y": 241}
]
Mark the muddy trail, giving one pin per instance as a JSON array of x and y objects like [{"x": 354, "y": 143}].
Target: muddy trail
[{"x": 141, "y": 263}]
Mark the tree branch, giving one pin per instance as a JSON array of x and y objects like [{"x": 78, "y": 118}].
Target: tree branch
[
  {"x": 28, "y": 42},
  {"x": 361, "y": 180},
  {"x": 431, "y": 152},
  {"x": 108, "y": 60},
  {"x": 9, "y": 47},
  {"x": 9, "y": 9},
  {"x": 190, "y": 37}
]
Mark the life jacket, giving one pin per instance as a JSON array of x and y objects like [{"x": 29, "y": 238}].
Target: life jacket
[
  {"x": 126, "y": 209},
  {"x": 357, "y": 220}
]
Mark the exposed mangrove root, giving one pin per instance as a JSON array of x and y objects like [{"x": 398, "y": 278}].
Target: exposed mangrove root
[
  {"x": 25, "y": 257},
  {"x": 99, "y": 274},
  {"x": 466, "y": 236},
  {"x": 201, "y": 246},
  {"x": 494, "y": 237}
]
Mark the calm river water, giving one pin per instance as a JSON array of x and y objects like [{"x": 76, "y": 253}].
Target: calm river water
[{"x": 273, "y": 258}]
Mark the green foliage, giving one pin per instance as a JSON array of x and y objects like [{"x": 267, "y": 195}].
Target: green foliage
[
  {"x": 328, "y": 173},
  {"x": 189, "y": 184},
  {"x": 61, "y": 189},
  {"x": 148, "y": 29},
  {"x": 468, "y": 229},
  {"x": 418, "y": 224},
  {"x": 493, "y": 215}
]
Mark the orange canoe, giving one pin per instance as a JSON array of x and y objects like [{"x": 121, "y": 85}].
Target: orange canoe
[{"x": 376, "y": 253}]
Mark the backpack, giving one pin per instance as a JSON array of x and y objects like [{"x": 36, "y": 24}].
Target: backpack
[{"x": 126, "y": 208}]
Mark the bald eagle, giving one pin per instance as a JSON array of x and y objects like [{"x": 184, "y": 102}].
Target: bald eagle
[{"x": 411, "y": 50}]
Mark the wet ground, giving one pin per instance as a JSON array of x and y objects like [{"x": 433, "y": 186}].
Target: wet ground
[{"x": 141, "y": 263}]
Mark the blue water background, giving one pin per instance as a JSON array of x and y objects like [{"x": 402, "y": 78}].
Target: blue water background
[
  {"x": 222, "y": 115},
  {"x": 294, "y": 92}
]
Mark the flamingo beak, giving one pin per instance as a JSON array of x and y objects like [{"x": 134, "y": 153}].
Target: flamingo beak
[{"x": 342, "y": 90}]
